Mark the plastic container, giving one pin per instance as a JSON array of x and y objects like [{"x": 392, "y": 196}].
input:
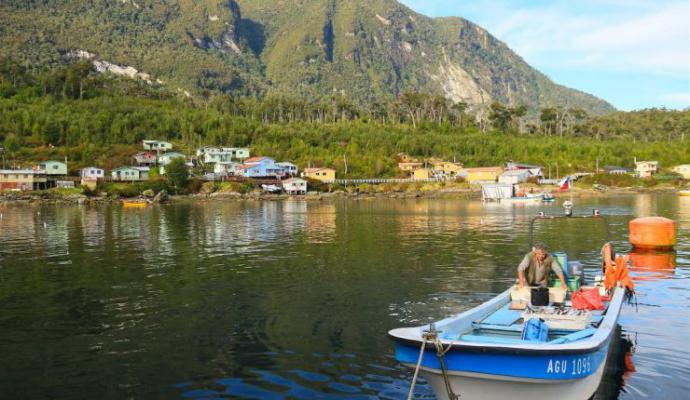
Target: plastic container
[
  {"x": 653, "y": 233},
  {"x": 573, "y": 283},
  {"x": 562, "y": 259}
]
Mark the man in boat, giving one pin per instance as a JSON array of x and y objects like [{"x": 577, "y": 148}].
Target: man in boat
[{"x": 535, "y": 269}]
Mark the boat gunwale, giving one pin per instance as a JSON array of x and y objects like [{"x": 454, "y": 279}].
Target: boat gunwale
[{"x": 590, "y": 345}]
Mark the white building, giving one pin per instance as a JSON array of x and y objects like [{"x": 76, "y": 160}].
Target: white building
[
  {"x": 514, "y": 176},
  {"x": 91, "y": 174},
  {"x": 290, "y": 168},
  {"x": 225, "y": 168},
  {"x": 645, "y": 169},
  {"x": 295, "y": 186},
  {"x": 157, "y": 145}
]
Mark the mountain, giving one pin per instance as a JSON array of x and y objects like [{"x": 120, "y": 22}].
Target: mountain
[{"x": 365, "y": 50}]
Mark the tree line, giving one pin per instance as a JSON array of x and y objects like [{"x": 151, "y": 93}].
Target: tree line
[{"x": 92, "y": 118}]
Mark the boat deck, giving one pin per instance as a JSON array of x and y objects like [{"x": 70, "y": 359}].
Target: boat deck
[{"x": 505, "y": 326}]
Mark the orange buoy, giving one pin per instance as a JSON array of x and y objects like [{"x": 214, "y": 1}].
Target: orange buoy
[{"x": 653, "y": 233}]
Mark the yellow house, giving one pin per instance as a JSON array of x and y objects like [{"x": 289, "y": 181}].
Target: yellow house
[
  {"x": 446, "y": 168},
  {"x": 421, "y": 174},
  {"x": 683, "y": 170},
  {"x": 409, "y": 166},
  {"x": 320, "y": 174},
  {"x": 481, "y": 174}
]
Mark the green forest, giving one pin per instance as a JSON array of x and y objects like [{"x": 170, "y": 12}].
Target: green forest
[{"x": 95, "y": 119}]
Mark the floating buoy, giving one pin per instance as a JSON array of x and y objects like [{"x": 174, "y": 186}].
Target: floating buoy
[{"x": 653, "y": 233}]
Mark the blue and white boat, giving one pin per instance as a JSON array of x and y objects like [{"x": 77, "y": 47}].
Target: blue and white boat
[
  {"x": 487, "y": 359},
  {"x": 483, "y": 353}
]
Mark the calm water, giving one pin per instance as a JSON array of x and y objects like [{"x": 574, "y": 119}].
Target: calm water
[{"x": 292, "y": 299}]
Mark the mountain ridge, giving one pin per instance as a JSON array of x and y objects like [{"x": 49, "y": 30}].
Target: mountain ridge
[{"x": 315, "y": 49}]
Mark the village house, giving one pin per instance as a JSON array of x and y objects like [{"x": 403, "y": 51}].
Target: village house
[
  {"x": 514, "y": 176},
  {"x": 290, "y": 168},
  {"x": 157, "y": 145},
  {"x": 446, "y": 169},
  {"x": 616, "y": 170},
  {"x": 645, "y": 169},
  {"x": 320, "y": 174},
  {"x": 295, "y": 186},
  {"x": 130, "y": 174},
  {"x": 167, "y": 158},
  {"x": 53, "y": 168},
  {"x": 260, "y": 167},
  {"x": 23, "y": 179},
  {"x": 683, "y": 170},
  {"x": 214, "y": 154},
  {"x": 145, "y": 159},
  {"x": 226, "y": 168},
  {"x": 421, "y": 174},
  {"x": 90, "y": 176},
  {"x": 481, "y": 174},
  {"x": 409, "y": 166},
  {"x": 238, "y": 153},
  {"x": 534, "y": 170}
]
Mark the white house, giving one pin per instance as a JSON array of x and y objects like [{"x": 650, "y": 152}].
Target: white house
[
  {"x": 157, "y": 145},
  {"x": 535, "y": 170},
  {"x": 91, "y": 174},
  {"x": 225, "y": 168},
  {"x": 295, "y": 186},
  {"x": 645, "y": 169},
  {"x": 514, "y": 176},
  {"x": 167, "y": 158},
  {"x": 290, "y": 168},
  {"x": 130, "y": 174}
]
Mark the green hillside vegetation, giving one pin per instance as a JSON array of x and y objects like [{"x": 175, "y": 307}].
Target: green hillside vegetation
[
  {"x": 95, "y": 119},
  {"x": 367, "y": 51}
]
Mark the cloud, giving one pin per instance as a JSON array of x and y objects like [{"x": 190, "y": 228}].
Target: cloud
[{"x": 616, "y": 35}]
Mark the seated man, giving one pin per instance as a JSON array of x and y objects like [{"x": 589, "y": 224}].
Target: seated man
[{"x": 536, "y": 267}]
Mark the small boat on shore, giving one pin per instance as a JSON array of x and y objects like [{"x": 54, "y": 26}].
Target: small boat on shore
[
  {"x": 684, "y": 192},
  {"x": 135, "y": 203},
  {"x": 488, "y": 352}
]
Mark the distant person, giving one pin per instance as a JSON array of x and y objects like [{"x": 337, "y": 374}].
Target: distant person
[{"x": 536, "y": 267}]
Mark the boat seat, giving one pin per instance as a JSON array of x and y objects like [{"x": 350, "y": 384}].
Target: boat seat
[
  {"x": 503, "y": 317},
  {"x": 490, "y": 339},
  {"x": 573, "y": 337}
]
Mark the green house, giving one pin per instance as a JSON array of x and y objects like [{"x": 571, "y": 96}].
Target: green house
[{"x": 52, "y": 167}]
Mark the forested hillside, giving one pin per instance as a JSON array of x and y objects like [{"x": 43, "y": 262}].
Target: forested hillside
[
  {"x": 101, "y": 119},
  {"x": 364, "y": 52}
]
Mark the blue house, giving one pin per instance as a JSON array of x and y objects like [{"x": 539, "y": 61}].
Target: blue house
[{"x": 261, "y": 167}]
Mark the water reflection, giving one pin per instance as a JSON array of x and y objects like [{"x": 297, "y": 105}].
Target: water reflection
[{"x": 291, "y": 299}]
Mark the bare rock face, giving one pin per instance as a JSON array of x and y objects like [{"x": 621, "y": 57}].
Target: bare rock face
[{"x": 228, "y": 38}]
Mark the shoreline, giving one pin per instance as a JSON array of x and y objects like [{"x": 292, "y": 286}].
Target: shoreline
[{"x": 456, "y": 193}]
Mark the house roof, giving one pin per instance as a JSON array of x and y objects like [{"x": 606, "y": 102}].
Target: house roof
[
  {"x": 294, "y": 180},
  {"x": 140, "y": 169},
  {"x": 52, "y": 161},
  {"x": 308, "y": 170},
  {"x": 286, "y": 163},
  {"x": 256, "y": 159},
  {"x": 22, "y": 171},
  {"x": 484, "y": 169},
  {"x": 516, "y": 172},
  {"x": 615, "y": 168},
  {"x": 522, "y": 165},
  {"x": 145, "y": 153},
  {"x": 91, "y": 168}
]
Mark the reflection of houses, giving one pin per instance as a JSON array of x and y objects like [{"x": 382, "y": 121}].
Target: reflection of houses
[
  {"x": 321, "y": 223},
  {"x": 295, "y": 186},
  {"x": 615, "y": 170},
  {"x": 534, "y": 170},
  {"x": 645, "y": 169},
  {"x": 320, "y": 174},
  {"x": 481, "y": 174},
  {"x": 157, "y": 145},
  {"x": 145, "y": 159},
  {"x": 683, "y": 170},
  {"x": 130, "y": 174},
  {"x": 23, "y": 179}
]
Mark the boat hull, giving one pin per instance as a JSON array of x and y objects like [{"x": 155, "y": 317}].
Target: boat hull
[{"x": 478, "y": 386}]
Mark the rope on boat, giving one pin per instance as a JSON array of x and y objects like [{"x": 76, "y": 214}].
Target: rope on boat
[{"x": 432, "y": 336}]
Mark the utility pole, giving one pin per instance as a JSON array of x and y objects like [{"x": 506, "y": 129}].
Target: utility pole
[{"x": 2, "y": 151}]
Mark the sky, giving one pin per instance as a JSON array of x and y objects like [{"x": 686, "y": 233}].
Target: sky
[{"x": 634, "y": 54}]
